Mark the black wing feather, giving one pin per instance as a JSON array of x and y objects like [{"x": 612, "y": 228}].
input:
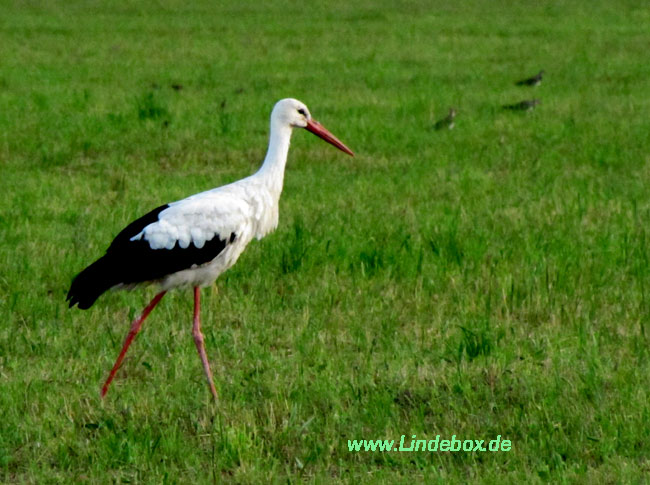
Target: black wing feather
[{"x": 129, "y": 262}]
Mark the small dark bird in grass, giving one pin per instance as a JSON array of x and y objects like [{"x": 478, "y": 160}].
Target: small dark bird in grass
[
  {"x": 447, "y": 122},
  {"x": 177, "y": 87},
  {"x": 531, "y": 81},
  {"x": 525, "y": 105}
]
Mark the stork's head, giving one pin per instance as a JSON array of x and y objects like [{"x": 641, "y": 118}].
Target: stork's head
[{"x": 293, "y": 113}]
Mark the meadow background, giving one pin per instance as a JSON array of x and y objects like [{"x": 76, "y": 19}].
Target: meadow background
[{"x": 489, "y": 280}]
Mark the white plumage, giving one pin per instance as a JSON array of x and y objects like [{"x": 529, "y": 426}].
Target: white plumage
[
  {"x": 232, "y": 209},
  {"x": 192, "y": 241}
]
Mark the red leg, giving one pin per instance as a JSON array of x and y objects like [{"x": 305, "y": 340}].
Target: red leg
[
  {"x": 135, "y": 328},
  {"x": 198, "y": 340}
]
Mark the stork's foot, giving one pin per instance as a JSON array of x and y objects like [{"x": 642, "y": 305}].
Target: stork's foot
[
  {"x": 199, "y": 342},
  {"x": 135, "y": 328}
]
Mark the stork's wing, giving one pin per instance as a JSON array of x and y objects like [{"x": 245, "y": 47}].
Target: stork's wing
[
  {"x": 170, "y": 238},
  {"x": 178, "y": 236}
]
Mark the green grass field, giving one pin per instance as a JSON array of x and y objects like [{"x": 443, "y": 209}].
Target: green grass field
[{"x": 489, "y": 280}]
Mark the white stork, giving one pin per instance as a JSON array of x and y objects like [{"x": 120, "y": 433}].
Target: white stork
[{"x": 192, "y": 241}]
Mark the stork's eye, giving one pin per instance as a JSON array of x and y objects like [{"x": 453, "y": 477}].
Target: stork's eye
[{"x": 302, "y": 112}]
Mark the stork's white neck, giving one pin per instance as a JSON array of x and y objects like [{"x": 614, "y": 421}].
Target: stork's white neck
[{"x": 272, "y": 170}]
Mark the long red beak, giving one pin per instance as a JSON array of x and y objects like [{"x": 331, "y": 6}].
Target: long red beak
[{"x": 320, "y": 131}]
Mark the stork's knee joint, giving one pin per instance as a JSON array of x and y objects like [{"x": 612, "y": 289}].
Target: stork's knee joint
[{"x": 198, "y": 336}]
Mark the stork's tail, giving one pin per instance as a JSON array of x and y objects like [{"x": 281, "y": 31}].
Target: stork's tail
[{"x": 88, "y": 285}]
